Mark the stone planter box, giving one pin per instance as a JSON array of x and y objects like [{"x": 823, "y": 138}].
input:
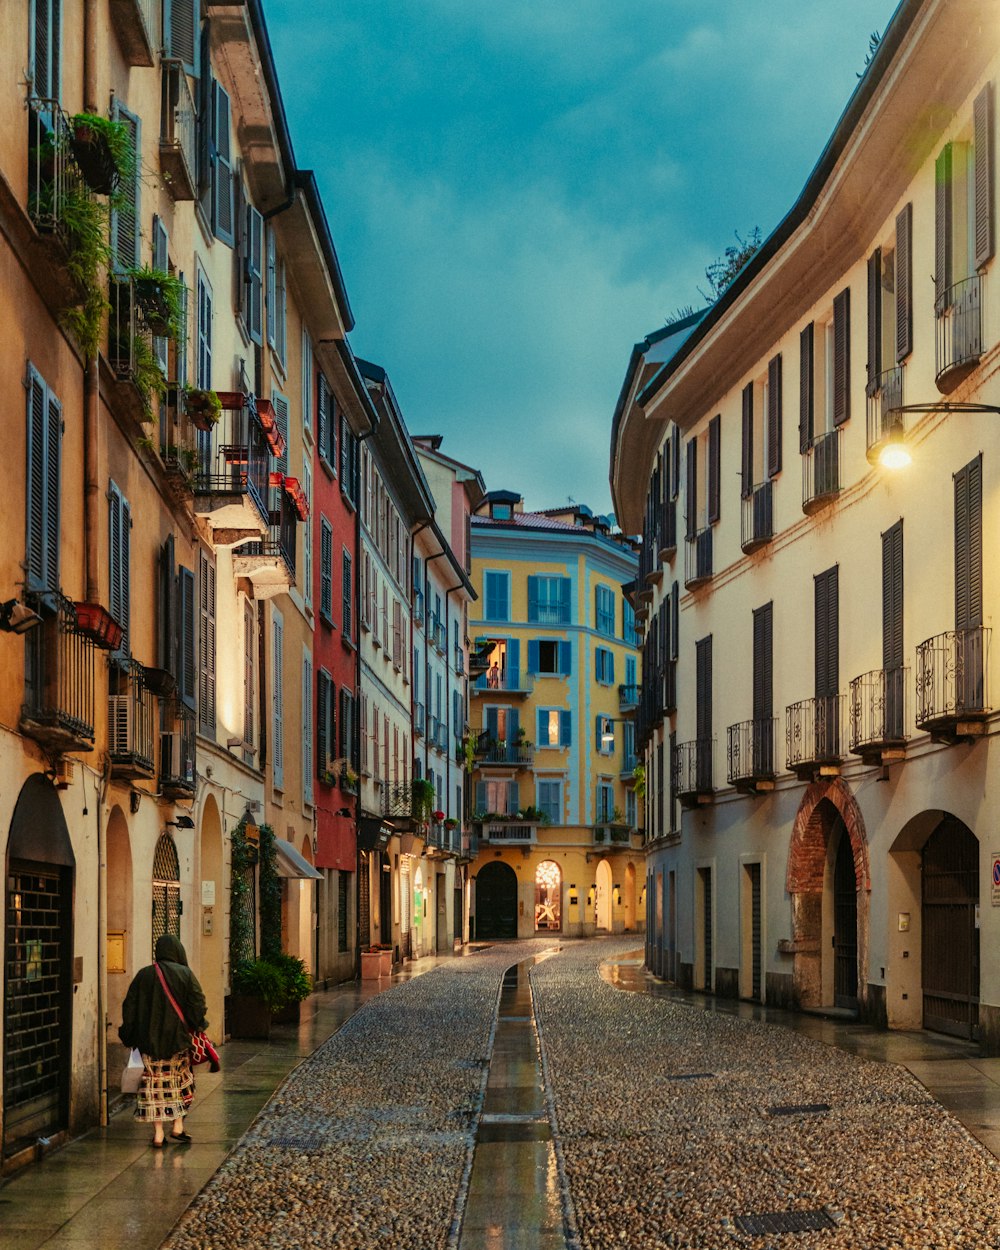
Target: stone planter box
[{"x": 371, "y": 965}]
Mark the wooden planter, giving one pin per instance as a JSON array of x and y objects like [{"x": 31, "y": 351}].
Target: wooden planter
[
  {"x": 248, "y": 1017},
  {"x": 291, "y": 1013}
]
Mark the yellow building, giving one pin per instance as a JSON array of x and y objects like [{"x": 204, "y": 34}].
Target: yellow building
[
  {"x": 818, "y": 718},
  {"x": 556, "y": 822}
]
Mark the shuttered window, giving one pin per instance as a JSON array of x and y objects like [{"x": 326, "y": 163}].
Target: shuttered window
[
  {"x": 714, "y": 469},
  {"x": 497, "y": 586},
  {"x": 167, "y": 619},
  {"x": 161, "y": 262},
  {"x": 675, "y": 611},
  {"x": 604, "y": 610},
  {"x": 254, "y": 277},
  {"x": 983, "y": 175},
  {"x": 604, "y": 666},
  {"x": 691, "y": 501},
  {"x": 187, "y": 667},
  {"x": 347, "y": 597},
  {"x": 604, "y": 729},
  {"x": 969, "y": 545},
  {"x": 763, "y": 669},
  {"x": 349, "y": 463},
  {"x": 874, "y": 366},
  {"x": 125, "y": 203},
  {"x": 281, "y": 416},
  {"x": 675, "y": 461},
  {"x": 703, "y": 688},
  {"x": 119, "y": 544},
  {"x": 249, "y": 672},
  {"x": 326, "y": 718},
  {"x": 280, "y": 311},
  {"x": 943, "y": 226},
  {"x": 548, "y": 800},
  {"x": 827, "y": 644},
  {"x": 347, "y": 744},
  {"x": 326, "y": 570},
  {"x": 271, "y": 278},
  {"x": 223, "y": 208},
  {"x": 278, "y": 699},
  {"x": 46, "y": 49},
  {"x": 904, "y": 283},
  {"x": 307, "y": 727},
  {"x": 806, "y": 388},
  {"x": 206, "y": 646},
  {"x": 326, "y": 423},
  {"x": 44, "y": 437},
  {"x": 892, "y": 597},
  {"x": 842, "y": 357},
  {"x": 774, "y": 389},
  {"x": 204, "y": 333},
  {"x": 181, "y": 33},
  {"x": 746, "y": 460},
  {"x": 549, "y": 601},
  {"x": 307, "y": 541}
]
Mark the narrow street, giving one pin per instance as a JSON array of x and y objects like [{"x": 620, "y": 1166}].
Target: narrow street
[{"x": 644, "y": 1121}]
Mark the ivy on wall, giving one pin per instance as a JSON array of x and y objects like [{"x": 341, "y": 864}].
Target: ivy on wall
[{"x": 270, "y": 896}]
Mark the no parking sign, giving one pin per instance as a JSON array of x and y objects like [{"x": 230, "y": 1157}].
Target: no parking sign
[{"x": 995, "y": 898}]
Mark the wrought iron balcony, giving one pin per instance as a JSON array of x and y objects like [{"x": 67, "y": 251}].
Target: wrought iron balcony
[
  {"x": 418, "y": 720},
  {"x": 489, "y": 752},
  {"x": 268, "y": 564},
  {"x": 496, "y": 679},
  {"x": 698, "y": 558},
  {"x": 884, "y": 419},
  {"x": 878, "y": 710},
  {"x": 178, "y": 142},
  {"x": 814, "y": 736},
  {"x": 757, "y": 517},
  {"x": 518, "y": 832},
  {"x": 58, "y": 708},
  {"x": 137, "y": 26},
  {"x": 821, "y": 471},
  {"x": 693, "y": 771},
  {"x": 54, "y": 181},
  {"x": 397, "y": 801},
  {"x": 750, "y": 756},
  {"x": 628, "y": 697},
  {"x": 177, "y": 756},
  {"x": 417, "y": 613},
  {"x": 612, "y": 834},
  {"x": 133, "y": 715},
  {"x": 953, "y": 684},
  {"x": 232, "y": 480},
  {"x": 959, "y": 338}
]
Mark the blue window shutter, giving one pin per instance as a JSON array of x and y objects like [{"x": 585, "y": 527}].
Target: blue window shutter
[
  {"x": 532, "y": 598},
  {"x": 541, "y": 737},
  {"x": 513, "y": 798},
  {"x": 611, "y": 667},
  {"x": 597, "y": 734},
  {"x": 513, "y": 662},
  {"x": 480, "y": 796},
  {"x": 565, "y": 729},
  {"x": 491, "y": 723},
  {"x": 222, "y": 174},
  {"x": 533, "y": 655},
  {"x": 181, "y": 21},
  {"x": 564, "y": 604},
  {"x": 630, "y": 670},
  {"x": 565, "y": 658}
]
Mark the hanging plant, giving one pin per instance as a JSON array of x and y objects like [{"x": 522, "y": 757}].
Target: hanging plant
[
  {"x": 202, "y": 406},
  {"x": 422, "y": 798},
  {"x": 160, "y": 298},
  {"x": 639, "y": 778},
  {"x": 85, "y": 225},
  {"x": 102, "y": 150}
]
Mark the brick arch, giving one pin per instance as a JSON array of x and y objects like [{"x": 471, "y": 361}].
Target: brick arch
[{"x": 807, "y": 851}]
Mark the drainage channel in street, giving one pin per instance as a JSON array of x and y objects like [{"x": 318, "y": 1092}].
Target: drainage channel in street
[{"x": 514, "y": 1199}]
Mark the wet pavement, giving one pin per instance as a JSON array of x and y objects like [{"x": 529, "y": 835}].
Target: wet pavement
[{"x": 109, "y": 1189}]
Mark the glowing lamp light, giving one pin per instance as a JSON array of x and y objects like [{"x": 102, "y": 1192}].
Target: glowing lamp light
[{"x": 895, "y": 455}]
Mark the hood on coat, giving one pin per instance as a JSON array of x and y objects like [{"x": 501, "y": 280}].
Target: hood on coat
[{"x": 169, "y": 949}]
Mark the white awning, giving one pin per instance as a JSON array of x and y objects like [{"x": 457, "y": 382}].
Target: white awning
[{"x": 292, "y": 864}]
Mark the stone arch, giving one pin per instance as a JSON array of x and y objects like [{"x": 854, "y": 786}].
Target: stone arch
[
  {"x": 630, "y": 904},
  {"x": 212, "y": 941},
  {"x": 603, "y": 902},
  {"x": 807, "y": 852}
]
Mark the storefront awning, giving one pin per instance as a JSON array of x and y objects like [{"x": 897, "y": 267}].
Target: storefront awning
[{"x": 292, "y": 864}]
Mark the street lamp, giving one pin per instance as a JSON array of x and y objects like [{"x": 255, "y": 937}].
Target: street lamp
[{"x": 895, "y": 455}]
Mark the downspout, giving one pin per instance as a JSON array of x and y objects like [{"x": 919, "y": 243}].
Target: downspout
[{"x": 361, "y": 865}]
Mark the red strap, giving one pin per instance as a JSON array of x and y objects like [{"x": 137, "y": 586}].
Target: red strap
[{"x": 173, "y": 1001}]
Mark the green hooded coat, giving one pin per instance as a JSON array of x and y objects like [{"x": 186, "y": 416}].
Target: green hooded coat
[{"x": 149, "y": 1022}]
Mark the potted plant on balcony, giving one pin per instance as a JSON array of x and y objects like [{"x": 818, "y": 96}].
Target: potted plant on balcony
[
  {"x": 160, "y": 298},
  {"x": 451, "y": 823},
  {"x": 202, "y": 406},
  {"x": 102, "y": 150},
  {"x": 348, "y": 779},
  {"x": 421, "y": 799}
]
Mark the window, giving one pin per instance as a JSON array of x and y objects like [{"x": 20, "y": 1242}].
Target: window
[
  {"x": 119, "y": 536},
  {"x": 554, "y": 727},
  {"x": 44, "y": 436},
  {"x": 604, "y": 610},
  {"x": 497, "y": 589},
  {"x": 549, "y": 600},
  {"x": 280, "y": 312},
  {"x": 548, "y": 800},
  {"x": 251, "y": 290},
  {"x": 326, "y": 417},
  {"x": 281, "y": 417},
  {"x": 890, "y": 305},
  {"x": 343, "y": 894},
  {"x": 206, "y": 646},
  {"x": 501, "y": 724},
  {"x": 629, "y": 635},
  {"x": 964, "y": 224},
  {"x": 605, "y": 802},
  {"x": 827, "y": 667},
  {"x": 604, "y": 735},
  {"x": 762, "y": 407},
  {"x": 500, "y": 511},
  {"x": 125, "y": 204},
  {"x": 326, "y": 722},
  {"x": 349, "y": 465},
  {"x": 969, "y": 548},
  {"x": 307, "y": 540},
  {"x": 549, "y": 657},
  {"x": 397, "y": 634},
  {"x": 326, "y": 570},
  {"x": 501, "y": 798},
  {"x": 307, "y": 727},
  {"x": 604, "y": 666},
  {"x": 204, "y": 365},
  {"x": 46, "y": 49},
  {"x": 223, "y": 211},
  {"x": 631, "y": 809},
  {"x": 278, "y": 700},
  {"x": 346, "y": 620}
]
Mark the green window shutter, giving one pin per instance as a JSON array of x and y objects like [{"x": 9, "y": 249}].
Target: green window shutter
[
  {"x": 983, "y": 175},
  {"x": 125, "y": 205},
  {"x": 45, "y": 51},
  {"x": 222, "y": 169},
  {"x": 203, "y": 136},
  {"x": 204, "y": 366},
  {"x": 565, "y": 604},
  {"x": 541, "y": 727},
  {"x": 185, "y": 667},
  {"x": 254, "y": 273},
  {"x": 161, "y": 261}
]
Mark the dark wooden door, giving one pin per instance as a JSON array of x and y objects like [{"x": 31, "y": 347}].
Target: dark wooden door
[
  {"x": 753, "y": 871},
  {"x": 950, "y": 943},
  {"x": 845, "y": 925},
  {"x": 496, "y": 901}
]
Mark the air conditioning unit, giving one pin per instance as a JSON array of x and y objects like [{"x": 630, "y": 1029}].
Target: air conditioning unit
[{"x": 65, "y": 773}]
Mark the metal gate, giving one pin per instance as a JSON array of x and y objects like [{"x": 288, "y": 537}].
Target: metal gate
[
  {"x": 845, "y": 925},
  {"x": 166, "y": 890},
  {"x": 36, "y": 1003},
  {"x": 457, "y": 920},
  {"x": 755, "y": 953},
  {"x": 706, "y": 891},
  {"x": 950, "y": 956}
]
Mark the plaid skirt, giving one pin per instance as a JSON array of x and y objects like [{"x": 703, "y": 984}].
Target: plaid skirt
[{"x": 166, "y": 1089}]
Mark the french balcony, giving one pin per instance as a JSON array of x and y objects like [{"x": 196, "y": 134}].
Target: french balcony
[
  {"x": 137, "y": 27},
  {"x": 668, "y": 530},
  {"x": 440, "y": 740},
  {"x": 814, "y": 736},
  {"x": 232, "y": 479},
  {"x": 698, "y": 558},
  {"x": 133, "y": 714},
  {"x": 266, "y": 566},
  {"x": 750, "y": 755},
  {"x": 178, "y": 142},
  {"x": 878, "y": 710},
  {"x": 757, "y": 517},
  {"x": 821, "y": 472},
  {"x": 510, "y": 832},
  {"x": 440, "y": 637},
  {"x": 953, "y": 686},
  {"x": 959, "y": 338},
  {"x": 418, "y": 720},
  {"x": 628, "y": 697},
  {"x": 417, "y": 612},
  {"x": 177, "y": 756},
  {"x": 58, "y": 708},
  {"x": 884, "y": 418},
  {"x": 693, "y": 772},
  {"x": 493, "y": 754},
  {"x": 458, "y": 659},
  {"x": 505, "y": 681}
]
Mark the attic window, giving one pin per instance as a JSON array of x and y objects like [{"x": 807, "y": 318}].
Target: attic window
[{"x": 500, "y": 511}]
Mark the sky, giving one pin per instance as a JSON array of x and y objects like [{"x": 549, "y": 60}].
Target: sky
[{"x": 519, "y": 190}]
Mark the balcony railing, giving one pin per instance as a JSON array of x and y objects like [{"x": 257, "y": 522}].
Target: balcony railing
[
  {"x": 58, "y": 708},
  {"x": 54, "y": 180},
  {"x": 232, "y": 479},
  {"x": 397, "y": 800},
  {"x": 459, "y": 660},
  {"x": 269, "y": 563},
  {"x": 516, "y": 754},
  {"x": 441, "y": 736},
  {"x": 750, "y": 756},
  {"x": 668, "y": 529},
  {"x": 133, "y": 714},
  {"x": 178, "y": 142},
  {"x": 953, "y": 680},
  {"x": 418, "y": 720},
  {"x": 878, "y": 712},
  {"x": 628, "y": 697},
  {"x": 418, "y": 607},
  {"x": 177, "y": 756},
  {"x": 884, "y": 419},
  {"x": 606, "y": 832},
  {"x": 137, "y": 25},
  {"x": 821, "y": 471},
  {"x": 440, "y": 638},
  {"x": 509, "y": 681},
  {"x": 506, "y": 831},
  {"x": 693, "y": 772},
  {"x": 959, "y": 338},
  {"x": 814, "y": 735},
  {"x": 698, "y": 558},
  {"x": 757, "y": 517}
]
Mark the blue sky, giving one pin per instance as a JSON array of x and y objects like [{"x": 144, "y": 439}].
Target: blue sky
[{"x": 519, "y": 191}]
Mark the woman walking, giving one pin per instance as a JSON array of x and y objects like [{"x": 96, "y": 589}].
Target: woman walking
[{"x": 151, "y": 1024}]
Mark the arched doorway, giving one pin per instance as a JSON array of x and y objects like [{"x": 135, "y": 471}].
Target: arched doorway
[
  {"x": 209, "y": 897},
  {"x": 121, "y": 953},
  {"x": 548, "y": 897},
  {"x": 496, "y": 901},
  {"x": 630, "y": 898},
  {"x": 603, "y": 904},
  {"x": 950, "y": 937},
  {"x": 166, "y": 890},
  {"x": 38, "y": 980}
]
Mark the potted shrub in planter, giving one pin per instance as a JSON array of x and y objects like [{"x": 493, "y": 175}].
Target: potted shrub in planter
[
  {"x": 298, "y": 986},
  {"x": 160, "y": 297},
  {"x": 259, "y": 990},
  {"x": 102, "y": 151},
  {"x": 202, "y": 407}
]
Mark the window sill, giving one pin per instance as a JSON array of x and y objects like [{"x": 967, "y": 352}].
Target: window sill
[
  {"x": 348, "y": 643},
  {"x": 327, "y": 467},
  {"x": 327, "y": 620}
]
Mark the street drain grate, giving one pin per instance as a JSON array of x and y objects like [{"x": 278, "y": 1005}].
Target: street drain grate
[
  {"x": 784, "y": 1222},
  {"x": 804, "y": 1108},
  {"x": 690, "y": 1076}
]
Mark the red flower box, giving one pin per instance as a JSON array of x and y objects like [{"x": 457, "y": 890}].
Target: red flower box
[
  {"x": 232, "y": 399},
  {"x": 97, "y": 623},
  {"x": 297, "y": 495},
  {"x": 276, "y": 478}
]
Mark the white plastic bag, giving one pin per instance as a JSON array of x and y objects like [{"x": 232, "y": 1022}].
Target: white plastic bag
[{"x": 132, "y": 1073}]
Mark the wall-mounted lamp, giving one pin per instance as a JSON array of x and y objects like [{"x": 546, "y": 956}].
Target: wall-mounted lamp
[
  {"x": 182, "y": 822},
  {"x": 17, "y": 617},
  {"x": 894, "y": 455}
]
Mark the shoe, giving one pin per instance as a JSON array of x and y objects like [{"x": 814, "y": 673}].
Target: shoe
[
  {"x": 183, "y": 1138},
  {"x": 158, "y": 1145}
]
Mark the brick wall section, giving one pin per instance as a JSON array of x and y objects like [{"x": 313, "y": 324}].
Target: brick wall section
[{"x": 807, "y": 853}]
